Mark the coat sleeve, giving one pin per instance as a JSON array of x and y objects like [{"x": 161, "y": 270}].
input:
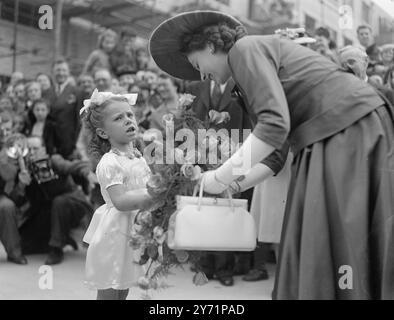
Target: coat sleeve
[
  {"x": 277, "y": 160},
  {"x": 256, "y": 73}
]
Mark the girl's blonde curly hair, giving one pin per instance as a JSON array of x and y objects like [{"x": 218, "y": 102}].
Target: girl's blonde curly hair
[{"x": 92, "y": 119}]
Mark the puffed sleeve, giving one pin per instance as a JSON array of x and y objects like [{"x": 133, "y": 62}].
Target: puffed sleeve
[
  {"x": 109, "y": 172},
  {"x": 257, "y": 76}
]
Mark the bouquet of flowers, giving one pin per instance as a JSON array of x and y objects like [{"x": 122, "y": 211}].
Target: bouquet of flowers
[{"x": 178, "y": 174}]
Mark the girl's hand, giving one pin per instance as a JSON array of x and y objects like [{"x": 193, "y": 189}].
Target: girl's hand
[{"x": 211, "y": 184}]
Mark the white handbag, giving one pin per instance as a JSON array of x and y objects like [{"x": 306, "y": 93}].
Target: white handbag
[{"x": 210, "y": 224}]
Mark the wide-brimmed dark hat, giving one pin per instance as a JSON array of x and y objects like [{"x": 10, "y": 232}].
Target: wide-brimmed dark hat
[{"x": 165, "y": 41}]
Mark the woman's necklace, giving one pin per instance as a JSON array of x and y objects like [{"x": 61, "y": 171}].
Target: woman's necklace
[{"x": 131, "y": 153}]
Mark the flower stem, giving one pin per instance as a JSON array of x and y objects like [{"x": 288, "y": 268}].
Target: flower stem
[{"x": 150, "y": 265}]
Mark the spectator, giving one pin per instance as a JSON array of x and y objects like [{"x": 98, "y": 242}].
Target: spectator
[
  {"x": 6, "y": 104},
  {"x": 56, "y": 196},
  {"x": 13, "y": 181},
  {"x": 355, "y": 60},
  {"x": 43, "y": 127},
  {"x": 19, "y": 123},
  {"x": 33, "y": 90},
  {"x": 86, "y": 83},
  {"x": 379, "y": 69},
  {"x": 127, "y": 77},
  {"x": 19, "y": 98},
  {"x": 47, "y": 87},
  {"x": 387, "y": 51},
  {"x": 99, "y": 58},
  {"x": 169, "y": 102},
  {"x": 124, "y": 53},
  {"x": 103, "y": 80},
  {"x": 16, "y": 77},
  {"x": 65, "y": 111},
  {"x": 6, "y": 125},
  {"x": 389, "y": 79},
  {"x": 143, "y": 59},
  {"x": 322, "y": 44},
  {"x": 366, "y": 39}
]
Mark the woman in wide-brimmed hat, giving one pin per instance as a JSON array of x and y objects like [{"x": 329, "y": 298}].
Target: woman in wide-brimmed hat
[{"x": 337, "y": 239}]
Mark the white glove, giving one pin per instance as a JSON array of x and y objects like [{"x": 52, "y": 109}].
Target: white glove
[
  {"x": 241, "y": 162},
  {"x": 211, "y": 184}
]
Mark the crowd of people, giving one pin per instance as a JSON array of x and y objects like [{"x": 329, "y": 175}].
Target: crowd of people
[{"x": 48, "y": 184}]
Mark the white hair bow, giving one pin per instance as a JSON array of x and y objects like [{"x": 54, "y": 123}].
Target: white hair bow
[{"x": 100, "y": 97}]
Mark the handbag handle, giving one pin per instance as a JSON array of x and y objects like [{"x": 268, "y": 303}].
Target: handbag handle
[{"x": 201, "y": 193}]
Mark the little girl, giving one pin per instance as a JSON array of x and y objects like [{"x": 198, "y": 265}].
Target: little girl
[
  {"x": 122, "y": 174},
  {"x": 99, "y": 58}
]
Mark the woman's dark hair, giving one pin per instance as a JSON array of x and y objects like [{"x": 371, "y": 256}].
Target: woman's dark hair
[
  {"x": 323, "y": 32},
  {"x": 40, "y": 101},
  {"x": 221, "y": 35}
]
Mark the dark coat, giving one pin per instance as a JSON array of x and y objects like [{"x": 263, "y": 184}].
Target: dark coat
[
  {"x": 65, "y": 114},
  {"x": 229, "y": 103}
]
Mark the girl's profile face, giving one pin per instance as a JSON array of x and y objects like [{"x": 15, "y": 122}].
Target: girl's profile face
[
  {"x": 119, "y": 123},
  {"x": 211, "y": 65}
]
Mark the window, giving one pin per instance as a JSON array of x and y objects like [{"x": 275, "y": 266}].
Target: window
[{"x": 28, "y": 13}]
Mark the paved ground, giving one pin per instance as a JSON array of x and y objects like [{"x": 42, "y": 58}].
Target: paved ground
[{"x": 22, "y": 283}]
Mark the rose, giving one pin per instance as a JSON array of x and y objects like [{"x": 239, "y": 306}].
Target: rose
[
  {"x": 144, "y": 218},
  {"x": 185, "y": 100},
  {"x": 187, "y": 170},
  {"x": 168, "y": 119},
  {"x": 144, "y": 283},
  {"x": 156, "y": 185},
  {"x": 159, "y": 235},
  {"x": 136, "y": 229},
  {"x": 182, "y": 256},
  {"x": 191, "y": 172}
]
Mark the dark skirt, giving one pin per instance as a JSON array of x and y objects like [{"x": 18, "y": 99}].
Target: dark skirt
[{"x": 338, "y": 233}]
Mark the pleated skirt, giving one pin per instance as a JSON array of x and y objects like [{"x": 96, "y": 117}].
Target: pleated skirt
[{"x": 338, "y": 233}]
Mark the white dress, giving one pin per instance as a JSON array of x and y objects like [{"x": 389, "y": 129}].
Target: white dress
[
  {"x": 110, "y": 261},
  {"x": 269, "y": 203}
]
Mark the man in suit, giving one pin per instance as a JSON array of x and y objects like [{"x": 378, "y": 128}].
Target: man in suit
[
  {"x": 355, "y": 60},
  {"x": 65, "y": 110},
  {"x": 212, "y": 96}
]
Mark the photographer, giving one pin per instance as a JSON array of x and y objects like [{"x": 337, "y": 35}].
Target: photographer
[
  {"x": 14, "y": 178},
  {"x": 55, "y": 197}
]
